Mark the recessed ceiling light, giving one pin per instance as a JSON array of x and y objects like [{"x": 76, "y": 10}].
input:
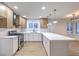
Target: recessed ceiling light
[
  {"x": 15, "y": 7},
  {"x": 2, "y": 7},
  {"x": 40, "y": 16},
  {"x": 43, "y": 8},
  {"x": 55, "y": 22},
  {"x": 24, "y": 16}
]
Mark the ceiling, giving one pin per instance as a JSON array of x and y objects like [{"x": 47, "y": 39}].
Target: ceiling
[{"x": 33, "y": 9}]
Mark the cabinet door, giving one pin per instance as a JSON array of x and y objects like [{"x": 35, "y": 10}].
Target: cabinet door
[
  {"x": 46, "y": 43},
  {"x": 39, "y": 37},
  {"x": 43, "y": 22},
  {"x": 3, "y": 23},
  {"x": 15, "y": 44},
  {"x": 26, "y": 37},
  {"x": 44, "y": 40},
  {"x": 35, "y": 37},
  {"x": 31, "y": 37},
  {"x": 6, "y": 47}
]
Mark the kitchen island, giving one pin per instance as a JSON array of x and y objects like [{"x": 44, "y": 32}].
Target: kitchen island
[{"x": 55, "y": 44}]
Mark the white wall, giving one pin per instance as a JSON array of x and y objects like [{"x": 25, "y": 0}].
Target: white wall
[{"x": 61, "y": 28}]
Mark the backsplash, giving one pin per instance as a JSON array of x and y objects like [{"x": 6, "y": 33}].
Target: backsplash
[
  {"x": 3, "y": 31},
  {"x": 41, "y": 30}
]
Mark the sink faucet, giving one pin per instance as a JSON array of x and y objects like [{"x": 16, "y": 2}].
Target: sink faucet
[{"x": 33, "y": 30}]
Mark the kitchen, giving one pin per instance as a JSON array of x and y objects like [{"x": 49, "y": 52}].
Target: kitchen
[{"x": 18, "y": 31}]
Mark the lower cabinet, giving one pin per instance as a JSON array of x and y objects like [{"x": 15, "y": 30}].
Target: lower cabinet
[
  {"x": 8, "y": 46},
  {"x": 56, "y": 47},
  {"x": 15, "y": 45},
  {"x": 46, "y": 43},
  {"x": 32, "y": 37}
]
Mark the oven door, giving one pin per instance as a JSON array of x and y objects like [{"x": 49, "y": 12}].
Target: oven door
[{"x": 21, "y": 41}]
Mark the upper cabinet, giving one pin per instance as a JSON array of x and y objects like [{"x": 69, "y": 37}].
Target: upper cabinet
[
  {"x": 3, "y": 22},
  {"x": 9, "y": 16},
  {"x": 22, "y": 22},
  {"x": 19, "y": 22},
  {"x": 2, "y": 10},
  {"x": 43, "y": 22},
  {"x": 9, "y": 19},
  {"x": 6, "y": 17}
]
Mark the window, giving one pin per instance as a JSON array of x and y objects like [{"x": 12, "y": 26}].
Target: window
[
  {"x": 30, "y": 25},
  {"x": 77, "y": 27},
  {"x": 33, "y": 25},
  {"x": 69, "y": 27}
]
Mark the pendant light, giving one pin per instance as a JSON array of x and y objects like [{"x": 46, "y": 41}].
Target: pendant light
[
  {"x": 55, "y": 21},
  {"x": 73, "y": 17}
]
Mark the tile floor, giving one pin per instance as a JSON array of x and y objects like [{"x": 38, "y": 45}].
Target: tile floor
[{"x": 32, "y": 49}]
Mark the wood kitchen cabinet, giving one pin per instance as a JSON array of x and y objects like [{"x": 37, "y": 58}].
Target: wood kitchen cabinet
[
  {"x": 22, "y": 22},
  {"x": 43, "y": 22},
  {"x": 3, "y": 22}
]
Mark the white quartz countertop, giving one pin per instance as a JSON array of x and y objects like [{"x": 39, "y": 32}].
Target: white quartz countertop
[
  {"x": 53, "y": 36},
  {"x": 6, "y": 37},
  {"x": 29, "y": 32}
]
